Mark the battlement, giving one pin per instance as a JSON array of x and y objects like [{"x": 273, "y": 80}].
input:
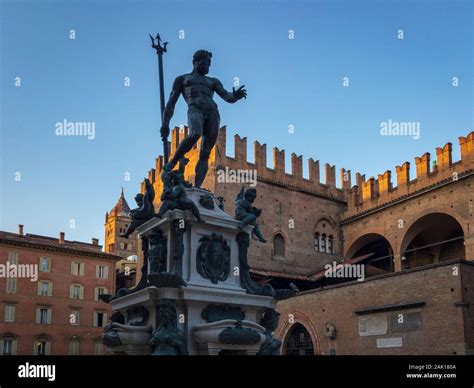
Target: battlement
[
  {"x": 276, "y": 175},
  {"x": 370, "y": 193},
  {"x": 364, "y": 195}
]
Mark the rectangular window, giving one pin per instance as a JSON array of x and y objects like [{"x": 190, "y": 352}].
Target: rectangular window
[
  {"x": 41, "y": 348},
  {"x": 45, "y": 288},
  {"x": 13, "y": 258},
  {"x": 76, "y": 291},
  {"x": 99, "y": 348},
  {"x": 11, "y": 285},
  {"x": 8, "y": 347},
  {"x": 98, "y": 291},
  {"x": 43, "y": 315},
  {"x": 73, "y": 348},
  {"x": 77, "y": 268},
  {"x": 45, "y": 264},
  {"x": 100, "y": 319},
  {"x": 75, "y": 318},
  {"x": 9, "y": 313},
  {"x": 102, "y": 272}
]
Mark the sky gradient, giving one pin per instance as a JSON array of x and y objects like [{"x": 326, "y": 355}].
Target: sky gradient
[{"x": 295, "y": 82}]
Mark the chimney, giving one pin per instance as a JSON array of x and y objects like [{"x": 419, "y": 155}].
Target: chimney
[
  {"x": 20, "y": 230},
  {"x": 95, "y": 241},
  {"x": 61, "y": 238}
]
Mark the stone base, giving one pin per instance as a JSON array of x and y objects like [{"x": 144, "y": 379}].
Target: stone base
[{"x": 132, "y": 350}]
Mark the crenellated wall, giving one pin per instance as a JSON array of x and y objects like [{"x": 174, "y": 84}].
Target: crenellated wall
[
  {"x": 374, "y": 192},
  {"x": 295, "y": 207}
]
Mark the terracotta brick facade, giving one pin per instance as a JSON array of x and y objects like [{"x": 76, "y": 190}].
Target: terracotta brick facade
[
  {"x": 62, "y": 333},
  {"x": 446, "y": 312}
]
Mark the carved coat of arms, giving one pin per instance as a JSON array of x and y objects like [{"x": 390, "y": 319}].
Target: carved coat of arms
[{"x": 213, "y": 258}]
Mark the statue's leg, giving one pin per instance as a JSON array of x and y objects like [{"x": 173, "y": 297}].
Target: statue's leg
[
  {"x": 190, "y": 205},
  {"x": 247, "y": 220},
  {"x": 209, "y": 138},
  {"x": 258, "y": 233},
  {"x": 195, "y": 125}
]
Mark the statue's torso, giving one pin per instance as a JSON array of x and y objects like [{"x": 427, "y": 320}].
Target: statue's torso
[{"x": 198, "y": 92}]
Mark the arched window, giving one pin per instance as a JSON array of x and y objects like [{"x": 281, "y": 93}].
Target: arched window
[
  {"x": 329, "y": 244},
  {"x": 322, "y": 243},
  {"x": 316, "y": 242},
  {"x": 298, "y": 341},
  {"x": 278, "y": 246}
]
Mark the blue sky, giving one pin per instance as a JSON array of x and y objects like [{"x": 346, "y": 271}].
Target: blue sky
[{"x": 295, "y": 82}]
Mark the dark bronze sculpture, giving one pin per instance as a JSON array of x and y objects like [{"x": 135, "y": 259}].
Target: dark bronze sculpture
[
  {"x": 167, "y": 339},
  {"x": 174, "y": 194},
  {"x": 144, "y": 211},
  {"x": 271, "y": 346},
  {"x": 157, "y": 251},
  {"x": 213, "y": 258},
  {"x": 203, "y": 116},
  {"x": 246, "y": 213}
]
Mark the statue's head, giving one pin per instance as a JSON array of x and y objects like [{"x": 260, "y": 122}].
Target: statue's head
[
  {"x": 139, "y": 199},
  {"x": 175, "y": 178},
  {"x": 250, "y": 195},
  {"x": 270, "y": 319},
  {"x": 202, "y": 61}
]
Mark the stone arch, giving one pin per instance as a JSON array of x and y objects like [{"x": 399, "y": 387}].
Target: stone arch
[
  {"x": 303, "y": 319},
  {"x": 349, "y": 245},
  {"x": 432, "y": 237},
  {"x": 381, "y": 249}
]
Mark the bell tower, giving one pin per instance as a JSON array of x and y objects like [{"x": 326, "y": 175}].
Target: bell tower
[{"x": 116, "y": 222}]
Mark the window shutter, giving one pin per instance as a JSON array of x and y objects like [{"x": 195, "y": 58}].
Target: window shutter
[
  {"x": 97, "y": 271},
  {"x": 14, "y": 347},
  {"x": 104, "y": 322},
  {"x": 1, "y": 347},
  {"x": 48, "y": 348},
  {"x": 39, "y": 288},
  {"x": 73, "y": 268},
  {"x": 81, "y": 269},
  {"x": 50, "y": 289},
  {"x": 96, "y": 293},
  {"x": 106, "y": 272},
  {"x": 71, "y": 287},
  {"x": 38, "y": 315},
  {"x": 49, "y": 316},
  {"x": 94, "y": 317},
  {"x": 81, "y": 293}
]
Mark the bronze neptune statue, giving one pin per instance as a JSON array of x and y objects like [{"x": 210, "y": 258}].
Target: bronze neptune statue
[{"x": 197, "y": 90}]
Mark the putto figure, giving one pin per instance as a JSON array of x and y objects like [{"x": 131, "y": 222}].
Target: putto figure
[
  {"x": 174, "y": 195},
  {"x": 203, "y": 116},
  {"x": 145, "y": 210},
  {"x": 246, "y": 213}
]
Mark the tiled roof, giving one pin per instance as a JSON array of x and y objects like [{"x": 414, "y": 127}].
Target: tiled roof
[
  {"x": 121, "y": 208},
  {"x": 52, "y": 244}
]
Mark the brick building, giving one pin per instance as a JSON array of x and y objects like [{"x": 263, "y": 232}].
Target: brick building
[
  {"x": 405, "y": 236},
  {"x": 116, "y": 223},
  {"x": 51, "y": 306}
]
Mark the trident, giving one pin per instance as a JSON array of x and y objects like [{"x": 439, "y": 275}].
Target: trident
[{"x": 156, "y": 44}]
